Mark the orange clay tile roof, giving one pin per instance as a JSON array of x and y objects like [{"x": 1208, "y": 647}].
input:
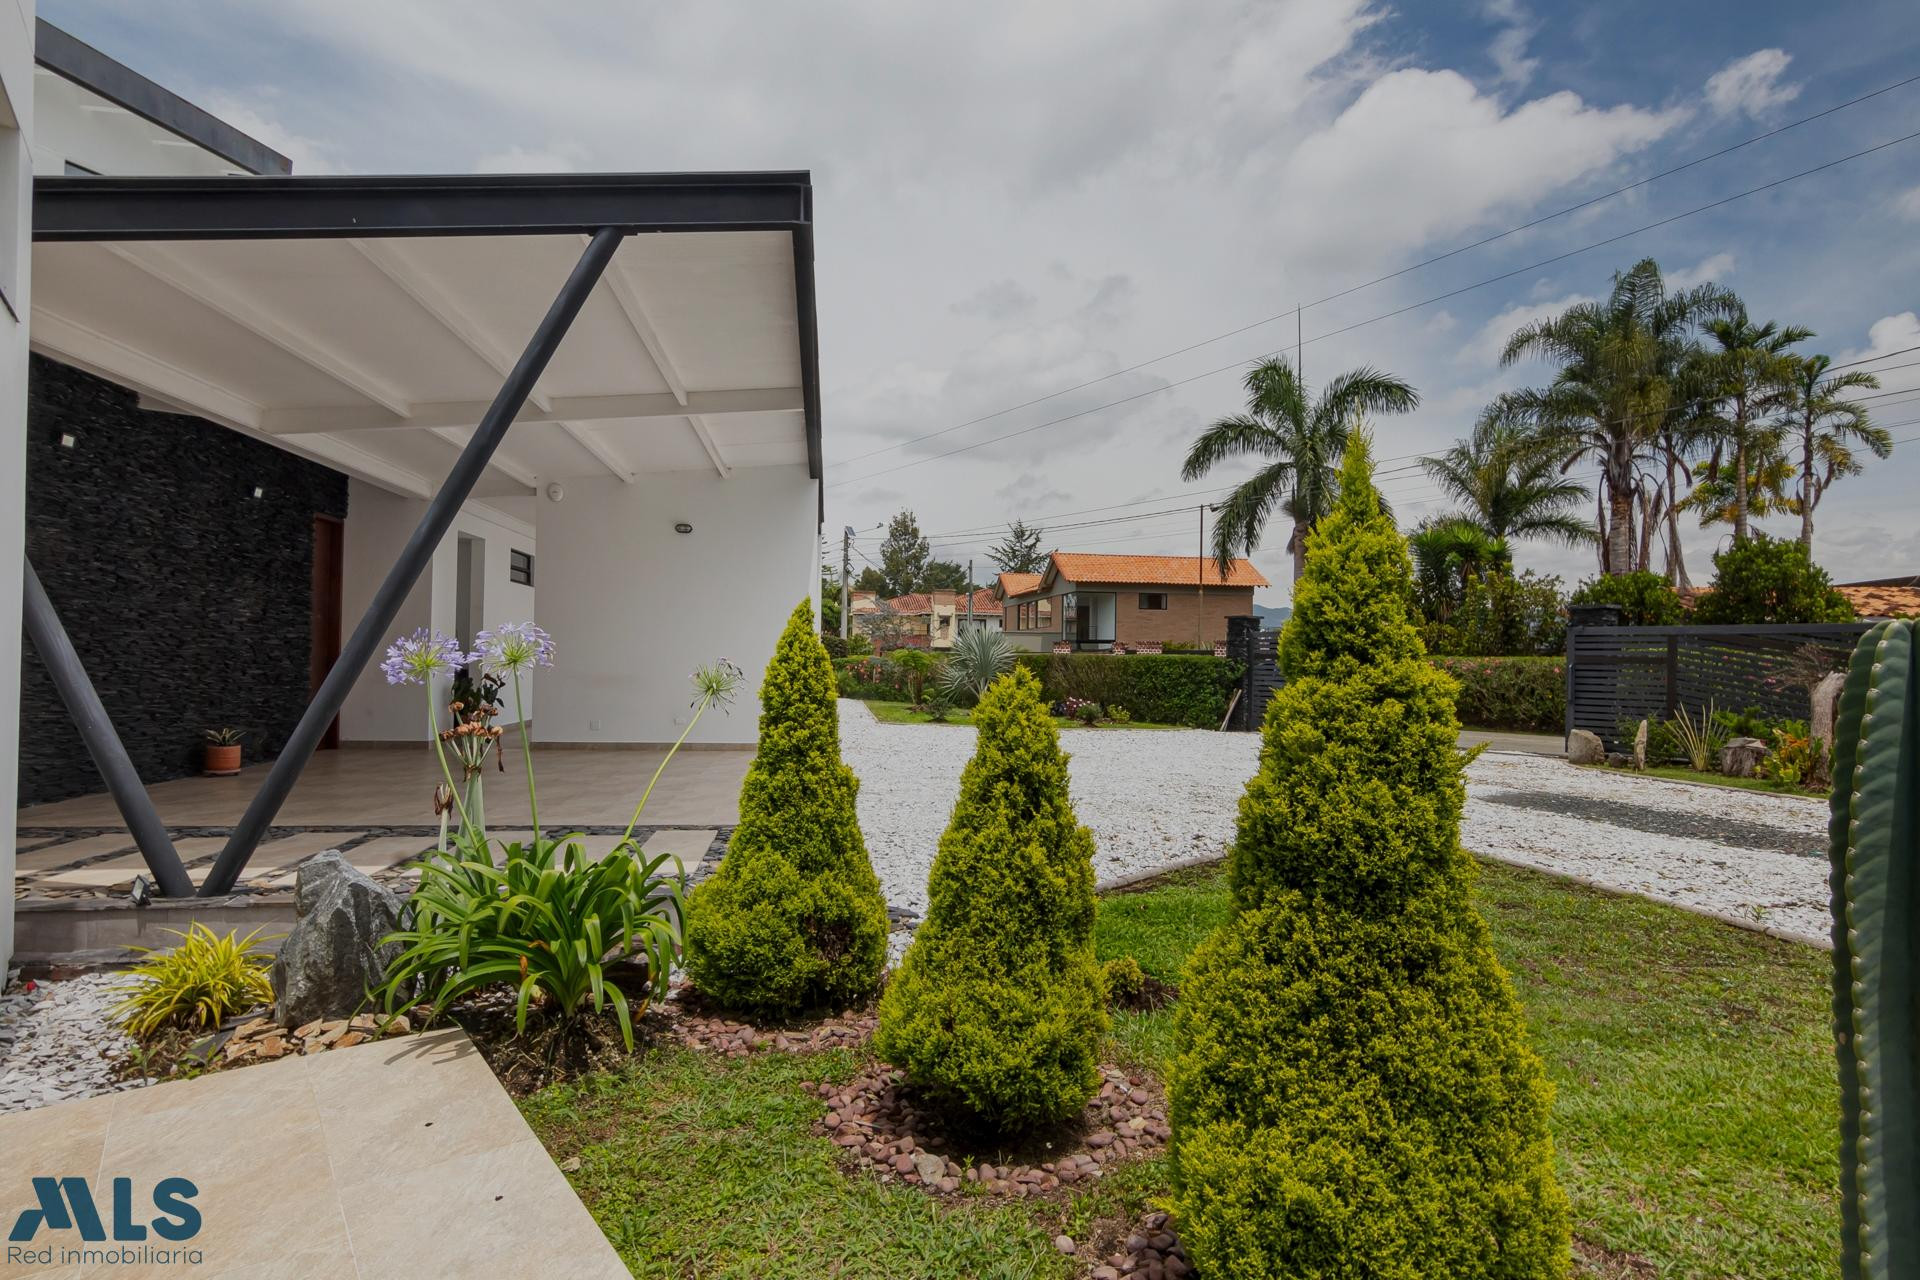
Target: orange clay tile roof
[
  {"x": 1875, "y": 601},
  {"x": 922, "y": 602},
  {"x": 1154, "y": 571},
  {"x": 1018, "y": 584}
]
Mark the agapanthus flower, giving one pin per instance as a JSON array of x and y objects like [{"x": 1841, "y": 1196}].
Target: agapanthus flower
[
  {"x": 417, "y": 658},
  {"x": 513, "y": 646},
  {"x": 718, "y": 683}
]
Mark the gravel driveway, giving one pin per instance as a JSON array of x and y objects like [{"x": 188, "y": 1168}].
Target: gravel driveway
[{"x": 1156, "y": 797}]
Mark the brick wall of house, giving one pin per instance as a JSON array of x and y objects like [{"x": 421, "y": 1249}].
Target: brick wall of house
[
  {"x": 1187, "y": 619},
  {"x": 188, "y": 600}
]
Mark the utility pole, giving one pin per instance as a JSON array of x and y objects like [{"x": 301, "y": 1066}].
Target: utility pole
[
  {"x": 1200, "y": 580},
  {"x": 846, "y": 567},
  {"x": 969, "y": 595},
  {"x": 1299, "y": 366}
]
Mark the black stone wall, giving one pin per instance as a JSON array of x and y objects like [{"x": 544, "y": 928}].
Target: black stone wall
[{"x": 188, "y": 599}]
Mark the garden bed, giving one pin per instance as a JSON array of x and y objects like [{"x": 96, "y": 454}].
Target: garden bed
[
  {"x": 906, "y": 713},
  {"x": 1693, "y": 1122}
]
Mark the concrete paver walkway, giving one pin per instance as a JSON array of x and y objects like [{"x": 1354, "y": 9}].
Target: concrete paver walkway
[{"x": 400, "y": 1158}]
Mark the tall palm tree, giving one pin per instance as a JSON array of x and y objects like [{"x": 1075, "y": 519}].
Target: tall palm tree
[
  {"x": 1303, "y": 436},
  {"x": 1616, "y": 391},
  {"x": 1511, "y": 483},
  {"x": 1825, "y": 425},
  {"x": 1748, "y": 370}
]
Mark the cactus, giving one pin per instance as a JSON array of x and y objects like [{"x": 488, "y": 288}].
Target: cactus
[{"x": 1874, "y": 840}]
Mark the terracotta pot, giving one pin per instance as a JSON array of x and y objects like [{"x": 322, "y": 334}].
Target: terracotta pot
[{"x": 222, "y": 761}]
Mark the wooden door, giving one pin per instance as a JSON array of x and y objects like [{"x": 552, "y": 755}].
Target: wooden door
[{"x": 327, "y": 567}]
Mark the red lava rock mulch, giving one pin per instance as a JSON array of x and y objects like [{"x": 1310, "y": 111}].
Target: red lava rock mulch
[
  {"x": 875, "y": 1120},
  {"x": 1150, "y": 1251},
  {"x": 734, "y": 1039}
]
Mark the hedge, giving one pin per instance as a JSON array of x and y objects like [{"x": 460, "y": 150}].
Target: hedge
[
  {"x": 1188, "y": 689},
  {"x": 1510, "y": 693}
]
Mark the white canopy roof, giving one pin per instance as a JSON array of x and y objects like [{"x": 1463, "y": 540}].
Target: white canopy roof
[{"x": 377, "y": 353}]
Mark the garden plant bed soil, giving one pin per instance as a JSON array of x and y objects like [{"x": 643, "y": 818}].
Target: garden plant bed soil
[{"x": 878, "y": 1121}]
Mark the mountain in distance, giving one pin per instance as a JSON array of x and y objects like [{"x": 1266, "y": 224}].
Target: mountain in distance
[{"x": 1273, "y": 615}]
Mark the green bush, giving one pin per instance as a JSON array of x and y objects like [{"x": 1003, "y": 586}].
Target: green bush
[
  {"x": 1765, "y": 580},
  {"x": 1122, "y": 979},
  {"x": 997, "y": 1010},
  {"x": 835, "y": 645},
  {"x": 867, "y": 677},
  {"x": 793, "y": 916},
  {"x": 1500, "y": 613},
  {"x": 1188, "y": 689},
  {"x": 1527, "y": 694},
  {"x": 1646, "y": 598},
  {"x": 1353, "y": 1094}
]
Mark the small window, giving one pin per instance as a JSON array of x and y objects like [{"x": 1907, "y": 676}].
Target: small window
[
  {"x": 1153, "y": 599},
  {"x": 1046, "y": 613},
  {"x": 520, "y": 567}
]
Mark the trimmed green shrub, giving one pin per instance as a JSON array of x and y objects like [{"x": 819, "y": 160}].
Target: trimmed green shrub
[
  {"x": 1646, "y": 599},
  {"x": 836, "y": 646},
  {"x": 1123, "y": 979},
  {"x": 1353, "y": 1094},
  {"x": 997, "y": 1010},
  {"x": 1188, "y": 689},
  {"x": 1765, "y": 580},
  {"x": 867, "y": 677},
  {"x": 1528, "y": 694},
  {"x": 793, "y": 916}
]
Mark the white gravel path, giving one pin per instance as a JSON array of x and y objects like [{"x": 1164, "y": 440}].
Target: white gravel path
[{"x": 1155, "y": 798}]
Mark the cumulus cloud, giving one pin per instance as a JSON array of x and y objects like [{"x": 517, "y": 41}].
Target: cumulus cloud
[
  {"x": 999, "y": 301},
  {"x": 1484, "y": 348},
  {"x": 1509, "y": 47},
  {"x": 1714, "y": 269},
  {"x": 1907, "y": 204},
  {"x": 1751, "y": 85}
]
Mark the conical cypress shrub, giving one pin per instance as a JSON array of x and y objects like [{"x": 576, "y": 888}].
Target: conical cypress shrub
[
  {"x": 1353, "y": 1094},
  {"x": 793, "y": 916},
  {"x": 996, "y": 1010}
]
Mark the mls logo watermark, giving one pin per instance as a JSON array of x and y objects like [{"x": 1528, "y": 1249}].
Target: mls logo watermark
[{"x": 67, "y": 1210}]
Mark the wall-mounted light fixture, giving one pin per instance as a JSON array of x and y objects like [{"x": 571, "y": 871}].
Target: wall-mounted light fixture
[
  {"x": 68, "y": 440},
  {"x": 683, "y": 527},
  {"x": 259, "y": 491}
]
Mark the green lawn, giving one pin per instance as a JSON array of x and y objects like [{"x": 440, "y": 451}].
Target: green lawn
[
  {"x": 1681, "y": 773},
  {"x": 903, "y": 713},
  {"x": 1695, "y": 1121}
]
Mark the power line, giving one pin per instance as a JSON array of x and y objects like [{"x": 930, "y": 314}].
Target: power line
[
  {"x": 1393, "y": 275},
  {"x": 1398, "y": 311}
]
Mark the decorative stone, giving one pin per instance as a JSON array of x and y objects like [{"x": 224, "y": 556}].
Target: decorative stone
[
  {"x": 1640, "y": 746},
  {"x": 1066, "y": 1245},
  {"x": 1741, "y": 757},
  {"x": 1585, "y": 748},
  {"x": 332, "y": 958},
  {"x": 1824, "y": 710}
]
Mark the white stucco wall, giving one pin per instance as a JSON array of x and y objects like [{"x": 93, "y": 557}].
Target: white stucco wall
[
  {"x": 634, "y": 607},
  {"x": 16, "y": 259},
  {"x": 378, "y": 525}
]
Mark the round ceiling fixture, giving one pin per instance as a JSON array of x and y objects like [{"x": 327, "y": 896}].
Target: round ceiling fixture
[
  {"x": 683, "y": 527},
  {"x": 555, "y": 492}
]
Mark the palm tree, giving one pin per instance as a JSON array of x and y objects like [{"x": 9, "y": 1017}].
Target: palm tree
[
  {"x": 1614, "y": 396},
  {"x": 1303, "y": 437},
  {"x": 1448, "y": 552},
  {"x": 1511, "y": 483},
  {"x": 1749, "y": 373},
  {"x": 1826, "y": 425}
]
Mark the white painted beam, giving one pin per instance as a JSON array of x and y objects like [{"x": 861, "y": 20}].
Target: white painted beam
[
  {"x": 165, "y": 265},
  {"x": 602, "y": 450},
  {"x": 390, "y": 259},
  {"x": 621, "y": 286},
  {"x": 715, "y": 453},
  {"x": 467, "y": 413},
  {"x": 501, "y": 461}
]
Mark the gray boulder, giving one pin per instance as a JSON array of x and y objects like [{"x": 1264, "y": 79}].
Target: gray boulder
[
  {"x": 1585, "y": 748},
  {"x": 332, "y": 958},
  {"x": 1640, "y": 746},
  {"x": 1826, "y": 709},
  {"x": 1741, "y": 757}
]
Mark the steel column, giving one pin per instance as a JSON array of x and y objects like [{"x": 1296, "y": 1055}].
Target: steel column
[
  {"x": 103, "y": 744},
  {"x": 414, "y": 557}
]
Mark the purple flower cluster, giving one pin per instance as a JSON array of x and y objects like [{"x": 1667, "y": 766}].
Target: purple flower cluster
[
  {"x": 514, "y": 646},
  {"x": 417, "y": 658}
]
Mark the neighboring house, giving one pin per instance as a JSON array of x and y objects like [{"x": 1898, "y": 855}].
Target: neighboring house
[
  {"x": 249, "y": 391},
  {"x": 926, "y": 619},
  {"x": 1097, "y": 602},
  {"x": 1883, "y": 597}
]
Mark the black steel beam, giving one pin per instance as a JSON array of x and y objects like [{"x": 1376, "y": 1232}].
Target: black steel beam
[
  {"x": 275, "y": 207},
  {"x": 110, "y": 757},
  {"x": 803, "y": 305},
  {"x": 414, "y": 557}
]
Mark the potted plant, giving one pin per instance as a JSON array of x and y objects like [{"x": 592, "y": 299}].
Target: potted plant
[{"x": 223, "y": 751}]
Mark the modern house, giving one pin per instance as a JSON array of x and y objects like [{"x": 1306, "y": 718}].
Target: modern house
[
  {"x": 1090, "y": 601},
  {"x": 269, "y": 421}
]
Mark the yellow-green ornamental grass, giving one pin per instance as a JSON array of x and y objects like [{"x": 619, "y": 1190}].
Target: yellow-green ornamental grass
[
  {"x": 201, "y": 981},
  {"x": 1353, "y": 1094},
  {"x": 997, "y": 1008},
  {"x": 793, "y": 917}
]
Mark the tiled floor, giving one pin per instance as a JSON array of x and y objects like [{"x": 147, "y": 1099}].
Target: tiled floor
[
  {"x": 393, "y": 786},
  {"x": 403, "y": 1158}
]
